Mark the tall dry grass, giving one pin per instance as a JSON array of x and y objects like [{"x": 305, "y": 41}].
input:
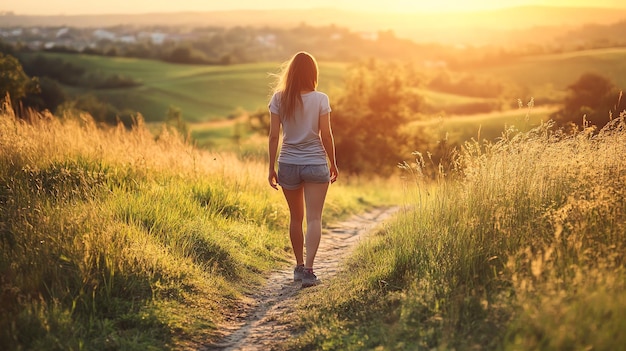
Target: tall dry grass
[
  {"x": 523, "y": 247},
  {"x": 105, "y": 231},
  {"x": 113, "y": 238}
]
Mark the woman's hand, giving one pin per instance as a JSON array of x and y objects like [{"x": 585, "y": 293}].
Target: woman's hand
[
  {"x": 272, "y": 178},
  {"x": 334, "y": 172}
]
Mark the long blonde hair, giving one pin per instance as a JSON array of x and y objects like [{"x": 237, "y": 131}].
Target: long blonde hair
[{"x": 298, "y": 74}]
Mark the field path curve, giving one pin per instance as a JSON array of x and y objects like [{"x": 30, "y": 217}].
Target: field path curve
[{"x": 258, "y": 326}]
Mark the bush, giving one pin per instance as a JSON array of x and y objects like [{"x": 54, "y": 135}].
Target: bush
[
  {"x": 367, "y": 117},
  {"x": 593, "y": 98},
  {"x": 13, "y": 80}
]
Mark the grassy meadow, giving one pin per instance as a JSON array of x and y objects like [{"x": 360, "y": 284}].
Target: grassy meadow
[
  {"x": 489, "y": 126},
  {"x": 522, "y": 248},
  {"x": 549, "y": 74},
  {"x": 212, "y": 97},
  {"x": 206, "y": 93},
  {"x": 203, "y": 93},
  {"x": 116, "y": 239},
  {"x": 137, "y": 239}
]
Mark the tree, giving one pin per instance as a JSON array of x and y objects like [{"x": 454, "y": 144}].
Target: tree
[
  {"x": 50, "y": 96},
  {"x": 368, "y": 118},
  {"x": 13, "y": 80},
  {"x": 593, "y": 96},
  {"x": 187, "y": 55},
  {"x": 101, "y": 111},
  {"x": 259, "y": 121}
]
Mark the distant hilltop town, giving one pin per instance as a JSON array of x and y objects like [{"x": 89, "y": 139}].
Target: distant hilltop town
[
  {"x": 199, "y": 44},
  {"x": 37, "y": 38}
]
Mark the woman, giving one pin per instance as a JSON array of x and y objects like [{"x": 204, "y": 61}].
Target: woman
[{"x": 307, "y": 150}]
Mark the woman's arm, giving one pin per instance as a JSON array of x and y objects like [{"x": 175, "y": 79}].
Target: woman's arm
[
  {"x": 328, "y": 141},
  {"x": 273, "y": 149}
]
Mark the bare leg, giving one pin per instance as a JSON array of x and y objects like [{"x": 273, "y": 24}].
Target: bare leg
[
  {"x": 295, "y": 200},
  {"x": 314, "y": 196}
]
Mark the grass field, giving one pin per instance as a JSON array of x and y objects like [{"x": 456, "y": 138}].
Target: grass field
[
  {"x": 541, "y": 74},
  {"x": 489, "y": 126},
  {"x": 523, "y": 249},
  {"x": 203, "y": 93},
  {"x": 209, "y": 96},
  {"x": 114, "y": 239},
  {"x": 206, "y": 93}
]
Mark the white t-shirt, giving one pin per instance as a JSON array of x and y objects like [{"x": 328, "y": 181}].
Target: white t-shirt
[{"x": 302, "y": 144}]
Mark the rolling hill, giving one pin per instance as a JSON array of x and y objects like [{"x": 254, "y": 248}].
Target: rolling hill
[
  {"x": 209, "y": 96},
  {"x": 557, "y": 71},
  {"x": 203, "y": 93},
  {"x": 206, "y": 93}
]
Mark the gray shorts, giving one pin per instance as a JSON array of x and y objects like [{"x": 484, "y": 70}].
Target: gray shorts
[{"x": 291, "y": 177}]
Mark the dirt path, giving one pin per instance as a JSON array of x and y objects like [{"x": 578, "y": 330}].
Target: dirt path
[{"x": 258, "y": 327}]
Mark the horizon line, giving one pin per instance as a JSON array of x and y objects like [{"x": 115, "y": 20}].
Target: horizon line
[{"x": 388, "y": 12}]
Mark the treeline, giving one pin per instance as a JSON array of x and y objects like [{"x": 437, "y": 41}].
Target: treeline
[
  {"x": 40, "y": 83},
  {"x": 65, "y": 72},
  {"x": 73, "y": 75},
  {"x": 214, "y": 45},
  {"x": 225, "y": 45}
]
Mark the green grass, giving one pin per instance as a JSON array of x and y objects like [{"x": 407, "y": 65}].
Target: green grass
[
  {"x": 457, "y": 130},
  {"x": 116, "y": 239},
  {"x": 211, "y": 93},
  {"x": 523, "y": 249},
  {"x": 123, "y": 239},
  {"x": 541, "y": 74},
  {"x": 444, "y": 101},
  {"x": 202, "y": 92},
  {"x": 207, "y": 93}
]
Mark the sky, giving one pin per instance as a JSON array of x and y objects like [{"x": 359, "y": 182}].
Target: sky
[{"x": 73, "y": 7}]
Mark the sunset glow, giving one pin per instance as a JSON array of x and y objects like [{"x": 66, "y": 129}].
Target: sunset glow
[{"x": 71, "y": 7}]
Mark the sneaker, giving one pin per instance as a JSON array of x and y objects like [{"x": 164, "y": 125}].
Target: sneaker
[
  {"x": 309, "y": 278},
  {"x": 298, "y": 273}
]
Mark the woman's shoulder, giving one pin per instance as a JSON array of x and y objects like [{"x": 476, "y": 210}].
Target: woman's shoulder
[
  {"x": 321, "y": 94},
  {"x": 275, "y": 99}
]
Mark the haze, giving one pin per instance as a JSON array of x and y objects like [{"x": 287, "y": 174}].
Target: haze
[{"x": 72, "y": 7}]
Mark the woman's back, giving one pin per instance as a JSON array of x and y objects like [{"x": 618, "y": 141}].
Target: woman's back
[{"x": 301, "y": 139}]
